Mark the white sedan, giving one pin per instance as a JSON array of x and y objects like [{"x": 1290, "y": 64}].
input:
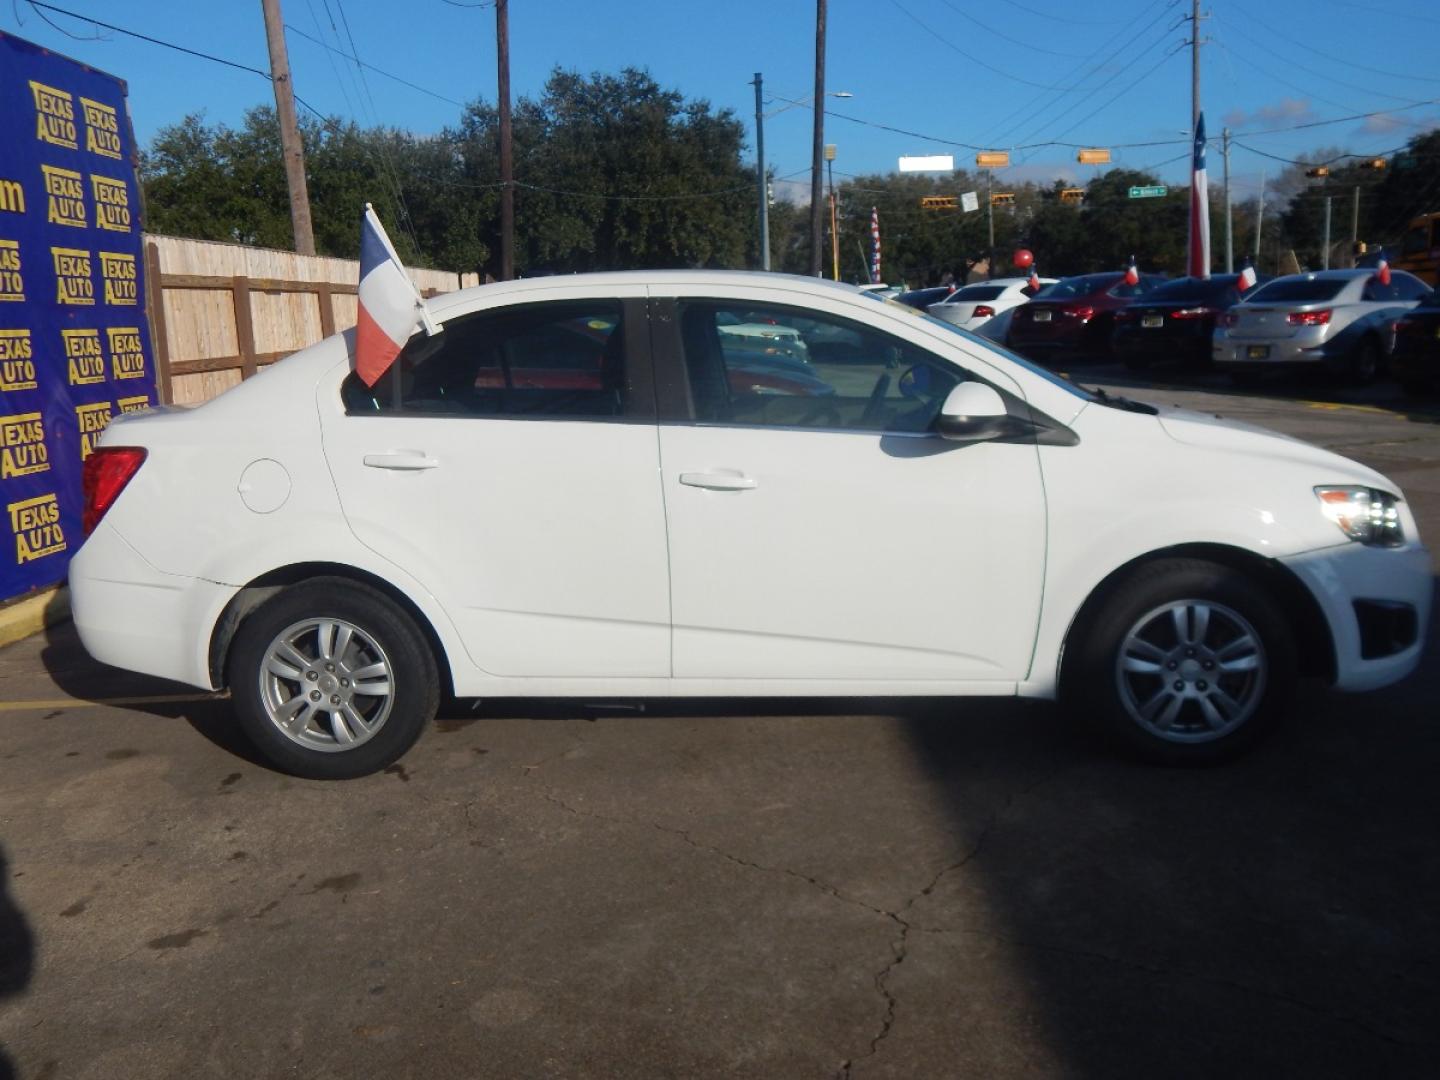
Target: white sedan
[
  {"x": 565, "y": 494},
  {"x": 975, "y": 305}
]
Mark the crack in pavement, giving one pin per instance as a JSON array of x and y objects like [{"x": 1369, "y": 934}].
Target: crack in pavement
[{"x": 899, "y": 947}]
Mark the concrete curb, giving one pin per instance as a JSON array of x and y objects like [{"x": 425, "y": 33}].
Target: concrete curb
[{"x": 33, "y": 614}]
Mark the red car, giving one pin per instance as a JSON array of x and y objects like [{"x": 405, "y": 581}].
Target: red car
[{"x": 1074, "y": 316}]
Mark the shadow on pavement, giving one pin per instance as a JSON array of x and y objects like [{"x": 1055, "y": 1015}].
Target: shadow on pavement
[
  {"x": 17, "y": 954},
  {"x": 1270, "y": 917}
]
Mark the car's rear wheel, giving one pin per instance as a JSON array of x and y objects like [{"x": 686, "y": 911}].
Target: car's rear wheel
[
  {"x": 332, "y": 680},
  {"x": 1184, "y": 662},
  {"x": 1365, "y": 361}
]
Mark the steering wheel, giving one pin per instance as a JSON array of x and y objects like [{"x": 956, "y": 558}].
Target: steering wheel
[{"x": 877, "y": 400}]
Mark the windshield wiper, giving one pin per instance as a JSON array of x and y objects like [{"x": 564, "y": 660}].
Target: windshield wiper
[{"x": 1115, "y": 401}]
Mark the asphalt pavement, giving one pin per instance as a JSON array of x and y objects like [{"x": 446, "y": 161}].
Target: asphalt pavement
[{"x": 763, "y": 889}]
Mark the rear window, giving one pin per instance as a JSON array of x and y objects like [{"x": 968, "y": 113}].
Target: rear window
[
  {"x": 979, "y": 292},
  {"x": 1194, "y": 289},
  {"x": 1083, "y": 285},
  {"x": 1298, "y": 290}
]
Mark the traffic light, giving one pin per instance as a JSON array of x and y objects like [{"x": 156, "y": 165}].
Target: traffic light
[
  {"x": 1318, "y": 171},
  {"x": 937, "y": 202},
  {"x": 1072, "y": 194},
  {"x": 769, "y": 194},
  {"x": 1002, "y": 198},
  {"x": 1377, "y": 164}
]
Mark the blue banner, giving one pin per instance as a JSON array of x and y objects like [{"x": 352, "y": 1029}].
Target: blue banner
[{"x": 74, "y": 342}]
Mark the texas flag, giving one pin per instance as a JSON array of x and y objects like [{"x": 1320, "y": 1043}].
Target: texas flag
[
  {"x": 391, "y": 308},
  {"x": 1247, "y": 275},
  {"x": 1199, "y": 207},
  {"x": 1034, "y": 281},
  {"x": 1132, "y": 273},
  {"x": 1382, "y": 269},
  {"x": 874, "y": 246}
]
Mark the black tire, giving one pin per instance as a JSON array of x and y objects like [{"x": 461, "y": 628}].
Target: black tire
[
  {"x": 1097, "y": 339},
  {"x": 1212, "y": 679},
  {"x": 1365, "y": 361},
  {"x": 382, "y": 635}
]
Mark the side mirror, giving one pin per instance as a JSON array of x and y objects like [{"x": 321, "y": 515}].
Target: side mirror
[{"x": 976, "y": 413}]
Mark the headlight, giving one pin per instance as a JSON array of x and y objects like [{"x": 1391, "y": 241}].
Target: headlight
[{"x": 1364, "y": 514}]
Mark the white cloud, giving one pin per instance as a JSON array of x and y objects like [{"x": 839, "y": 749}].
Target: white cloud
[{"x": 1285, "y": 111}]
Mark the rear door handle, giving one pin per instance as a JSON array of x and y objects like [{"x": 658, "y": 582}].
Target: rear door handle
[
  {"x": 402, "y": 460},
  {"x": 719, "y": 481}
]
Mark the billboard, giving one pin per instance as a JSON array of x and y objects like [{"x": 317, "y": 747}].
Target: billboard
[{"x": 74, "y": 343}]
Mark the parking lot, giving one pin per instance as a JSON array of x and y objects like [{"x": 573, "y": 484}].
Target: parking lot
[{"x": 766, "y": 889}]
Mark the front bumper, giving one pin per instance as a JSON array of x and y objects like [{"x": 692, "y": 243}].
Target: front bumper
[
  {"x": 1351, "y": 583},
  {"x": 132, "y": 616}
]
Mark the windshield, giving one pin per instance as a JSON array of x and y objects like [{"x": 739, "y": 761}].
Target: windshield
[
  {"x": 978, "y": 292},
  {"x": 1299, "y": 290},
  {"x": 994, "y": 346},
  {"x": 1216, "y": 288},
  {"x": 1083, "y": 285}
]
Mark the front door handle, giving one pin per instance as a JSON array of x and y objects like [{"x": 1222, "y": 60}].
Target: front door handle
[
  {"x": 402, "y": 460},
  {"x": 719, "y": 481}
]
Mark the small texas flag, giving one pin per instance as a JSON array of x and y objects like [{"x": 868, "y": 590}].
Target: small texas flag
[
  {"x": 1247, "y": 275},
  {"x": 1132, "y": 274},
  {"x": 1382, "y": 269},
  {"x": 391, "y": 308},
  {"x": 1034, "y": 279}
]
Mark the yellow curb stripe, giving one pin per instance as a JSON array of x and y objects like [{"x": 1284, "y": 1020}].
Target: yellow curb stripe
[
  {"x": 1335, "y": 406},
  {"x": 33, "y": 614},
  {"x": 84, "y": 703}
]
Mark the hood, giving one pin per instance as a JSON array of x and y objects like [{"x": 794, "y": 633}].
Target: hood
[{"x": 1214, "y": 432}]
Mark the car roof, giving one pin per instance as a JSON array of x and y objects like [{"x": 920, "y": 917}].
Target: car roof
[{"x": 602, "y": 280}]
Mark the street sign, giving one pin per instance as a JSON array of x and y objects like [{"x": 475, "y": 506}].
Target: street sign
[
  {"x": 1151, "y": 192},
  {"x": 969, "y": 201},
  {"x": 932, "y": 163}
]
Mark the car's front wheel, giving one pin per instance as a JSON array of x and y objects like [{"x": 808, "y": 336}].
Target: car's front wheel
[
  {"x": 332, "y": 680},
  {"x": 1183, "y": 662}
]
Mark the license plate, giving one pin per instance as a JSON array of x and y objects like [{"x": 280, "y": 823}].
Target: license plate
[
  {"x": 1152, "y": 320},
  {"x": 1258, "y": 352},
  {"x": 1042, "y": 316}
]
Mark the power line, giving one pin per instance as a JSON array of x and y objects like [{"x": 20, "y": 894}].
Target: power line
[
  {"x": 1282, "y": 36},
  {"x": 1006, "y": 37},
  {"x": 372, "y": 67}
]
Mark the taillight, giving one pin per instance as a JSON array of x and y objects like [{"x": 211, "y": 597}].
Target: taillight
[
  {"x": 983, "y": 311},
  {"x": 1407, "y": 326},
  {"x": 1081, "y": 313},
  {"x": 1308, "y": 318},
  {"x": 1192, "y": 313},
  {"x": 104, "y": 475},
  {"x": 1229, "y": 318}
]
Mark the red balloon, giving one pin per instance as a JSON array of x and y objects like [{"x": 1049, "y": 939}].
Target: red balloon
[{"x": 1023, "y": 258}]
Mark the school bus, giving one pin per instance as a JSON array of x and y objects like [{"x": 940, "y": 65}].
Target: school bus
[{"x": 1420, "y": 248}]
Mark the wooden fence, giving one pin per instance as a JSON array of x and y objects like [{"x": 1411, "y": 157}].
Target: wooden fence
[{"x": 220, "y": 312}]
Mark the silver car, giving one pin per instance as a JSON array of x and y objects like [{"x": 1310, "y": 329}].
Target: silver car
[{"x": 1339, "y": 318}]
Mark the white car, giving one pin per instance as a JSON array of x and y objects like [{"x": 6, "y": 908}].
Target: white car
[
  {"x": 563, "y": 494},
  {"x": 973, "y": 306}
]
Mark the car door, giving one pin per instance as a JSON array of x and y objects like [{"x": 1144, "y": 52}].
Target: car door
[
  {"x": 824, "y": 532},
  {"x": 509, "y": 464}
]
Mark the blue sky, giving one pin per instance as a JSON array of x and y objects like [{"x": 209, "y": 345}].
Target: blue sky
[{"x": 1001, "y": 73}]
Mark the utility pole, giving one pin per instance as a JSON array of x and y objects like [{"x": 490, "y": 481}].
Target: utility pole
[
  {"x": 1229, "y": 224},
  {"x": 292, "y": 149},
  {"x": 1355, "y": 227},
  {"x": 990, "y": 218},
  {"x": 1259, "y": 219},
  {"x": 507, "y": 159},
  {"x": 816, "y": 180},
  {"x": 1194, "y": 65},
  {"x": 1325, "y": 258},
  {"x": 761, "y": 180}
]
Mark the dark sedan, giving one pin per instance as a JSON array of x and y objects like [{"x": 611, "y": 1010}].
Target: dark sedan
[
  {"x": 1173, "y": 322},
  {"x": 1415, "y": 358},
  {"x": 1074, "y": 315}
]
